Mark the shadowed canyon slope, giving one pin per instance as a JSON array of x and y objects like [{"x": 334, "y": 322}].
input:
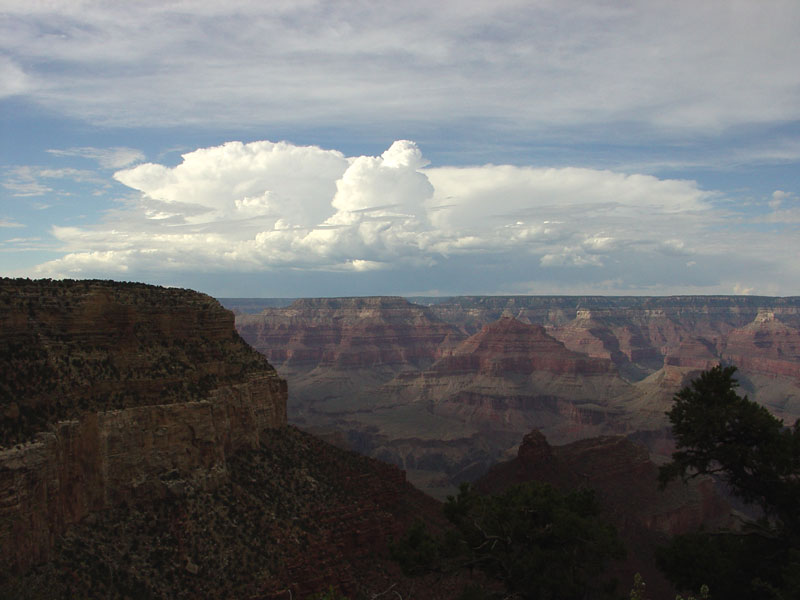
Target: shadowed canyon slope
[
  {"x": 443, "y": 387},
  {"x": 626, "y": 483},
  {"x": 145, "y": 454}
]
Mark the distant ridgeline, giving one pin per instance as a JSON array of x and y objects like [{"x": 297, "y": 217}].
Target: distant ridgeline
[
  {"x": 443, "y": 386},
  {"x": 567, "y": 303}
]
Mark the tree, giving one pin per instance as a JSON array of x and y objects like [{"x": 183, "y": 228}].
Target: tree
[
  {"x": 719, "y": 433},
  {"x": 638, "y": 592},
  {"x": 538, "y": 542}
]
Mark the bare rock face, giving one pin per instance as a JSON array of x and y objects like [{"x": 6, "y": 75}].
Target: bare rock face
[
  {"x": 696, "y": 353},
  {"x": 767, "y": 346},
  {"x": 509, "y": 346},
  {"x": 352, "y": 332},
  {"x": 636, "y": 333},
  {"x": 332, "y": 348},
  {"x": 292, "y": 517},
  {"x": 514, "y": 374},
  {"x": 113, "y": 393},
  {"x": 336, "y": 346}
]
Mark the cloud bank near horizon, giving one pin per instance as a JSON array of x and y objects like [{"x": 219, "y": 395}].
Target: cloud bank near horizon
[{"x": 265, "y": 207}]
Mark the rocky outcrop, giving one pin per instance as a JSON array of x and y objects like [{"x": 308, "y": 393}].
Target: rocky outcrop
[
  {"x": 638, "y": 330},
  {"x": 692, "y": 352},
  {"x": 512, "y": 375},
  {"x": 350, "y": 332},
  {"x": 767, "y": 346},
  {"x": 115, "y": 394},
  {"x": 331, "y": 347},
  {"x": 621, "y": 471},
  {"x": 638, "y": 335},
  {"x": 511, "y": 347}
]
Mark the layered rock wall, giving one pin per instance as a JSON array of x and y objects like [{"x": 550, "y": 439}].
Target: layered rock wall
[
  {"x": 370, "y": 332},
  {"x": 574, "y": 367},
  {"x": 128, "y": 455},
  {"x": 128, "y": 393}
]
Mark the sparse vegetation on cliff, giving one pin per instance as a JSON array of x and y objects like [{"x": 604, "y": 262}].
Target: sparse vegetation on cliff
[
  {"x": 295, "y": 514},
  {"x": 537, "y": 542},
  {"x": 72, "y": 347}
]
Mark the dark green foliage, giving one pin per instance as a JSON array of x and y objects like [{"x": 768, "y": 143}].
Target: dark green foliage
[
  {"x": 538, "y": 542},
  {"x": 419, "y": 552},
  {"x": 720, "y": 433},
  {"x": 639, "y": 591},
  {"x": 329, "y": 594},
  {"x": 733, "y": 565}
]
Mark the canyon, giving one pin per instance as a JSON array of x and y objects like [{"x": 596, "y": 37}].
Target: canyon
[
  {"x": 445, "y": 387},
  {"x": 148, "y": 451}
]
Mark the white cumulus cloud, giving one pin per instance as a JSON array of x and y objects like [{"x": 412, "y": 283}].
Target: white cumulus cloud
[
  {"x": 236, "y": 180},
  {"x": 265, "y": 206}
]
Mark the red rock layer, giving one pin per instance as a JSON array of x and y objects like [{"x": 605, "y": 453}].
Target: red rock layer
[
  {"x": 765, "y": 346},
  {"x": 511, "y": 376},
  {"x": 128, "y": 392},
  {"x": 509, "y": 346},
  {"x": 346, "y": 333},
  {"x": 385, "y": 368},
  {"x": 695, "y": 353},
  {"x": 641, "y": 330}
]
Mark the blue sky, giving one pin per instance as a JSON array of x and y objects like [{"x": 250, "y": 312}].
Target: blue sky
[{"x": 312, "y": 148}]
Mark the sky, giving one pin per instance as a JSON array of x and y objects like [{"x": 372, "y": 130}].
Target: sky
[{"x": 341, "y": 148}]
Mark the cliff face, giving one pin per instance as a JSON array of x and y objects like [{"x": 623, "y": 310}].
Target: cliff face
[
  {"x": 767, "y": 346},
  {"x": 511, "y": 346},
  {"x": 637, "y": 332},
  {"x": 352, "y": 332},
  {"x": 115, "y": 393},
  {"x": 321, "y": 343},
  {"x": 334, "y": 346}
]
